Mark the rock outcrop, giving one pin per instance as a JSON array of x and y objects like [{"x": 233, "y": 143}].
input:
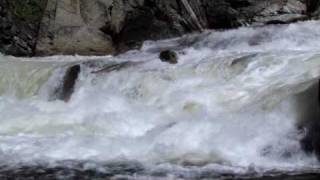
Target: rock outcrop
[
  {"x": 73, "y": 27},
  {"x": 313, "y": 8},
  {"x": 99, "y": 27},
  {"x": 135, "y": 21},
  {"x": 19, "y": 26}
]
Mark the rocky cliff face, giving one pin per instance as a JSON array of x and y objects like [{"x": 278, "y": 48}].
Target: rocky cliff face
[
  {"x": 73, "y": 27},
  {"x": 313, "y": 8},
  {"x": 19, "y": 25},
  {"x": 111, "y": 26},
  {"x": 134, "y": 21}
]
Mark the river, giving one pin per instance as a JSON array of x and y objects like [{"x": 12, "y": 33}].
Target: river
[{"x": 228, "y": 110}]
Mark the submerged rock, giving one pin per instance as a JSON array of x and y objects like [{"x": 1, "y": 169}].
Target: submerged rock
[
  {"x": 71, "y": 170},
  {"x": 169, "y": 56},
  {"x": 113, "y": 67}
]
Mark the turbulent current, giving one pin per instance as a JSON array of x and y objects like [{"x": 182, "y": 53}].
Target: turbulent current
[{"x": 230, "y": 107}]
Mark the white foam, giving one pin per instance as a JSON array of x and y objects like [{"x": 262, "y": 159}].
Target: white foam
[{"x": 206, "y": 109}]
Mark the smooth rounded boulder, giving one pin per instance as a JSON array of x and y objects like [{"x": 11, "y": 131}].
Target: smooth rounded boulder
[{"x": 169, "y": 56}]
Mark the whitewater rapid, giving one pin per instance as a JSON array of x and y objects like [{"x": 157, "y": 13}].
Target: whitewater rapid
[{"x": 229, "y": 104}]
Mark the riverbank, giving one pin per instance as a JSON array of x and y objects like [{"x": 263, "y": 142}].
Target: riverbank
[{"x": 100, "y": 27}]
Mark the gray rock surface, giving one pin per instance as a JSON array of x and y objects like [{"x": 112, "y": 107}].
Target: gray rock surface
[
  {"x": 133, "y": 21},
  {"x": 72, "y": 27},
  {"x": 99, "y": 27}
]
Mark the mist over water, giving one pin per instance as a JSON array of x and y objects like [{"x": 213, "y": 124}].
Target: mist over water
[{"x": 229, "y": 105}]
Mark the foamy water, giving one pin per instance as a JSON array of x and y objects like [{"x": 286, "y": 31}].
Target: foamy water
[{"x": 229, "y": 105}]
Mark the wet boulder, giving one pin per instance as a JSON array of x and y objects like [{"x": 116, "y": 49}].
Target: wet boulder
[
  {"x": 308, "y": 116},
  {"x": 67, "y": 87},
  {"x": 169, "y": 56}
]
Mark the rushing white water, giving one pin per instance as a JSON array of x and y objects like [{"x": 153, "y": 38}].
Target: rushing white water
[{"x": 228, "y": 104}]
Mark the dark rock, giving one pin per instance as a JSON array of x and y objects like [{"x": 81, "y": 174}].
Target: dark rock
[
  {"x": 20, "y": 19},
  {"x": 312, "y": 6},
  {"x": 310, "y": 143},
  {"x": 286, "y": 19},
  {"x": 71, "y": 170},
  {"x": 68, "y": 83},
  {"x": 169, "y": 56},
  {"x": 133, "y": 21},
  {"x": 308, "y": 111},
  {"x": 221, "y": 15}
]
